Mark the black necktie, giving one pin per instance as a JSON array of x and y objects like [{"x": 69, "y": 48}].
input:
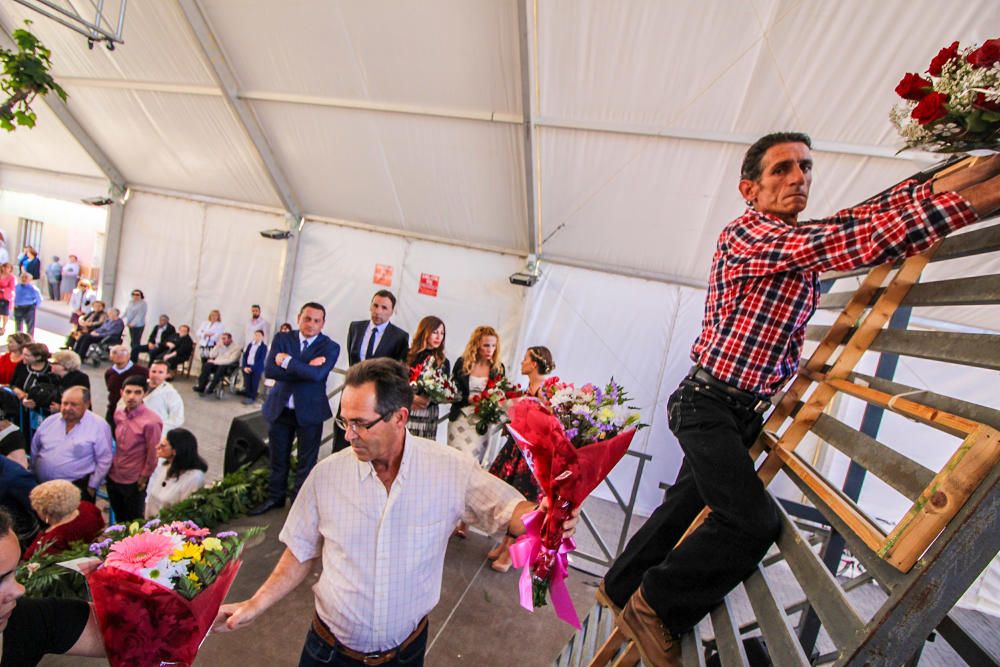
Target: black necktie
[
  {"x": 371, "y": 344},
  {"x": 305, "y": 344}
]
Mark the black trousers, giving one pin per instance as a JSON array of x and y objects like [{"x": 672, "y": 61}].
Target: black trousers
[
  {"x": 280, "y": 434},
  {"x": 212, "y": 374},
  {"x": 128, "y": 501},
  {"x": 135, "y": 334},
  {"x": 684, "y": 583}
]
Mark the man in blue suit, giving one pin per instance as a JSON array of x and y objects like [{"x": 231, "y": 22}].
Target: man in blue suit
[
  {"x": 300, "y": 362},
  {"x": 254, "y": 356}
]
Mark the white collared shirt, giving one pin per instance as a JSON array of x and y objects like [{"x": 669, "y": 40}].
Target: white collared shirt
[
  {"x": 165, "y": 401},
  {"x": 372, "y": 330},
  {"x": 383, "y": 552}
]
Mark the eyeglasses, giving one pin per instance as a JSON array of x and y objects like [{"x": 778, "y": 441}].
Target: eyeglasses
[{"x": 358, "y": 427}]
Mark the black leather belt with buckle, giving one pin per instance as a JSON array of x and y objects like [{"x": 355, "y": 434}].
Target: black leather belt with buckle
[{"x": 759, "y": 404}]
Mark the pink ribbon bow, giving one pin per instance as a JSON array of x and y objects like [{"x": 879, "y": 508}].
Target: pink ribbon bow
[{"x": 525, "y": 552}]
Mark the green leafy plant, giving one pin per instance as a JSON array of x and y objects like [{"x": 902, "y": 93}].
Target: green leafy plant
[
  {"x": 25, "y": 75},
  {"x": 228, "y": 498}
]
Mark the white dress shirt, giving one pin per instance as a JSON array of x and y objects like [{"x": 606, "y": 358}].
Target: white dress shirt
[
  {"x": 372, "y": 330},
  {"x": 383, "y": 552},
  {"x": 166, "y": 402},
  {"x": 259, "y": 324}
]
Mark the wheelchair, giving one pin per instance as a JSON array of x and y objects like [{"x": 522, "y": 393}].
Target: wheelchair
[
  {"x": 229, "y": 382},
  {"x": 100, "y": 350}
]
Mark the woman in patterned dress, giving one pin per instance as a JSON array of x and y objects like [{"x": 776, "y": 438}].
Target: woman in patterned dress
[
  {"x": 427, "y": 347},
  {"x": 510, "y": 464},
  {"x": 478, "y": 365}
]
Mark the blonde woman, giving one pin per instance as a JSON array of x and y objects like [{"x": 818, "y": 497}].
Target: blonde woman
[
  {"x": 479, "y": 364},
  {"x": 69, "y": 519}
]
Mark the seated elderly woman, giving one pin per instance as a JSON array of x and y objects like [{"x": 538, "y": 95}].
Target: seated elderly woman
[
  {"x": 57, "y": 503},
  {"x": 181, "y": 471},
  {"x": 65, "y": 365}
]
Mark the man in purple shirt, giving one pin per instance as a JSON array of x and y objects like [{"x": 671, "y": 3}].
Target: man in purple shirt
[
  {"x": 137, "y": 432},
  {"x": 74, "y": 445}
]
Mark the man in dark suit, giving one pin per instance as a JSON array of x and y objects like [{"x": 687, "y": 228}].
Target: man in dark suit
[
  {"x": 373, "y": 338},
  {"x": 158, "y": 337},
  {"x": 300, "y": 362}
]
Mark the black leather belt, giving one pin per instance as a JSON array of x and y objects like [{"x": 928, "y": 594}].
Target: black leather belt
[
  {"x": 374, "y": 658},
  {"x": 759, "y": 404}
]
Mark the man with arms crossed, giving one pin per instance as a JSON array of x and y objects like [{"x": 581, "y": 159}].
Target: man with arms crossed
[
  {"x": 763, "y": 289},
  {"x": 380, "y": 515}
]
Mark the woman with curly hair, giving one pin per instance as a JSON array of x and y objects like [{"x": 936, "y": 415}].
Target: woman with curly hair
[
  {"x": 57, "y": 503},
  {"x": 427, "y": 347},
  {"x": 479, "y": 364}
]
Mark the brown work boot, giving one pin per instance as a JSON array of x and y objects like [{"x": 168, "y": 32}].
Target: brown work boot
[
  {"x": 605, "y": 600},
  {"x": 640, "y": 623}
]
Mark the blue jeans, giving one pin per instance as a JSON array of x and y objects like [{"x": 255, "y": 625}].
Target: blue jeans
[{"x": 317, "y": 652}]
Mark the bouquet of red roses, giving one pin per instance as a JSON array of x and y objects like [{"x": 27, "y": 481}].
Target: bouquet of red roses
[
  {"x": 158, "y": 587},
  {"x": 490, "y": 406},
  {"x": 566, "y": 473},
  {"x": 956, "y": 107},
  {"x": 428, "y": 379}
]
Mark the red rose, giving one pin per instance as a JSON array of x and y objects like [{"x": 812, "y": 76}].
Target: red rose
[
  {"x": 930, "y": 109},
  {"x": 913, "y": 87},
  {"x": 985, "y": 55},
  {"x": 983, "y": 103},
  {"x": 943, "y": 56}
]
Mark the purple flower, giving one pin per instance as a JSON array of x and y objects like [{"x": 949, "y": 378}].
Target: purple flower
[
  {"x": 114, "y": 528},
  {"x": 98, "y": 547},
  {"x": 152, "y": 523},
  {"x": 572, "y": 433},
  {"x": 226, "y": 533}
]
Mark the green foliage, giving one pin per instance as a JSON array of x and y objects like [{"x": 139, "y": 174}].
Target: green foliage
[
  {"x": 25, "y": 75},
  {"x": 228, "y": 498}
]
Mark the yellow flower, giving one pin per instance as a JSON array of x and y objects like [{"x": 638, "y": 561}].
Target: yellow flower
[
  {"x": 193, "y": 577},
  {"x": 188, "y": 550},
  {"x": 212, "y": 544},
  {"x": 605, "y": 414}
]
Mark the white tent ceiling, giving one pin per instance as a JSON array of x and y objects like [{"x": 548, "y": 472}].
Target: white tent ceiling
[{"x": 409, "y": 115}]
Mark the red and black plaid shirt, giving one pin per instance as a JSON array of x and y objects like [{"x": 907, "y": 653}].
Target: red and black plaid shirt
[{"x": 764, "y": 284}]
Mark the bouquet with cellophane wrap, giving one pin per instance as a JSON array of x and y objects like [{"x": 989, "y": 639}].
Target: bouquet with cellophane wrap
[
  {"x": 158, "y": 587},
  {"x": 490, "y": 406},
  {"x": 569, "y": 463},
  {"x": 428, "y": 379}
]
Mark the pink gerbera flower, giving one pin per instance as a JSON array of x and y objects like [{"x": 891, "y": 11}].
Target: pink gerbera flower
[{"x": 139, "y": 551}]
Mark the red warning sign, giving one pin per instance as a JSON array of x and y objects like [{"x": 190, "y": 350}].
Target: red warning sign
[
  {"x": 429, "y": 284},
  {"x": 383, "y": 275}
]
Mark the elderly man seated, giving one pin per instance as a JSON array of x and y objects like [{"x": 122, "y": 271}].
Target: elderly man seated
[
  {"x": 112, "y": 330},
  {"x": 222, "y": 360}
]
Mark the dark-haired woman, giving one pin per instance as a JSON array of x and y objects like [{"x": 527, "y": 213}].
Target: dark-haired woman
[
  {"x": 427, "y": 347},
  {"x": 180, "y": 472},
  {"x": 510, "y": 464}
]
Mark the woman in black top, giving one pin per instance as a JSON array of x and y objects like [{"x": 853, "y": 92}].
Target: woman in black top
[
  {"x": 427, "y": 347},
  {"x": 65, "y": 365},
  {"x": 35, "y": 385}
]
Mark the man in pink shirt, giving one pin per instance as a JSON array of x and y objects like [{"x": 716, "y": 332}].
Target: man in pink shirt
[{"x": 137, "y": 432}]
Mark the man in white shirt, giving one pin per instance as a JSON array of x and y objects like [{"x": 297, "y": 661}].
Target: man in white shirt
[
  {"x": 380, "y": 515},
  {"x": 256, "y": 323},
  {"x": 163, "y": 398},
  {"x": 222, "y": 359}
]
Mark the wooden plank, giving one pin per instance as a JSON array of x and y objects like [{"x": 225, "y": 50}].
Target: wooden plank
[
  {"x": 609, "y": 648},
  {"x": 979, "y": 350},
  {"x": 951, "y": 488},
  {"x": 974, "y": 291},
  {"x": 965, "y": 409},
  {"x": 630, "y": 656},
  {"x": 782, "y": 644},
  {"x": 692, "y": 653},
  {"x": 727, "y": 636},
  {"x": 839, "y": 618},
  {"x": 859, "y": 524},
  {"x": 908, "y": 407},
  {"x": 900, "y": 472}
]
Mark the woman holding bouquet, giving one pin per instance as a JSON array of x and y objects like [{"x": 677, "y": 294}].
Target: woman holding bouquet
[
  {"x": 479, "y": 364},
  {"x": 427, "y": 350},
  {"x": 510, "y": 464}
]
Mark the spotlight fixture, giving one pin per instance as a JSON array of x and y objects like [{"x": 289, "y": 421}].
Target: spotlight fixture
[
  {"x": 98, "y": 201},
  {"x": 532, "y": 272},
  {"x": 276, "y": 234}
]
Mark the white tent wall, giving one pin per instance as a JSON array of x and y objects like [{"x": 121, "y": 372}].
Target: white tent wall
[
  {"x": 191, "y": 257},
  {"x": 336, "y": 266}
]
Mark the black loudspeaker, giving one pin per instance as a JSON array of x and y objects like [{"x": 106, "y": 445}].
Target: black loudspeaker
[{"x": 246, "y": 442}]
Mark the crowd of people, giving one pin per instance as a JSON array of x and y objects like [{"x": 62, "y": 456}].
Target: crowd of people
[{"x": 382, "y": 563}]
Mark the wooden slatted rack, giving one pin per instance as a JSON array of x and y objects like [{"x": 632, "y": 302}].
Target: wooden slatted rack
[{"x": 934, "y": 553}]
